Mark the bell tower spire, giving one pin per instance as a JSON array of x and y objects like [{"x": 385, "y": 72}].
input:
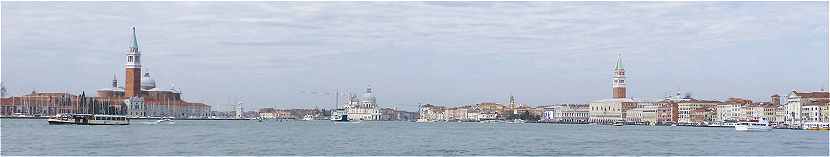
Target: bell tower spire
[
  {"x": 619, "y": 79},
  {"x": 133, "y": 68}
]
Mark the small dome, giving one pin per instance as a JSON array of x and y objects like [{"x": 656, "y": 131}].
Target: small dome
[{"x": 147, "y": 82}]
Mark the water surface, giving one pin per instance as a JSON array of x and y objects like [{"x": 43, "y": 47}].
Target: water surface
[{"x": 36, "y": 137}]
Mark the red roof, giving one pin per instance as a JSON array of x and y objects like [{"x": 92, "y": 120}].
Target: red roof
[{"x": 821, "y": 94}]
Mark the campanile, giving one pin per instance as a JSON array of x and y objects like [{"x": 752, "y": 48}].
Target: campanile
[
  {"x": 619, "y": 79},
  {"x": 133, "y": 67}
]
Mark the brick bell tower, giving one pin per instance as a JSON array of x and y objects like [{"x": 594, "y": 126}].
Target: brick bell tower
[
  {"x": 133, "y": 66},
  {"x": 619, "y": 79}
]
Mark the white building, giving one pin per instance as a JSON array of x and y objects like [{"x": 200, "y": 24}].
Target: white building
[
  {"x": 645, "y": 113},
  {"x": 610, "y": 110},
  {"x": 804, "y": 107},
  {"x": 365, "y": 108},
  {"x": 728, "y": 112},
  {"x": 239, "y": 110},
  {"x": 432, "y": 113},
  {"x": 566, "y": 113}
]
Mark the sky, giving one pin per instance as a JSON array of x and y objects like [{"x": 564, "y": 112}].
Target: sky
[{"x": 298, "y": 54}]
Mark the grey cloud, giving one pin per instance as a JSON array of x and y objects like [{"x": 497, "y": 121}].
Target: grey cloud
[{"x": 410, "y": 49}]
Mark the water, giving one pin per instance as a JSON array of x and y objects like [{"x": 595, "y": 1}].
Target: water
[{"x": 36, "y": 137}]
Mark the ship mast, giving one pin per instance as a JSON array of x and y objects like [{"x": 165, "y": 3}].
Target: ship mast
[{"x": 336, "y": 98}]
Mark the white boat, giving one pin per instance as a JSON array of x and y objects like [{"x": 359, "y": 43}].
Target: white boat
[
  {"x": 420, "y": 120},
  {"x": 492, "y": 121},
  {"x": 165, "y": 121},
  {"x": 618, "y": 123},
  {"x": 753, "y": 125},
  {"x": 339, "y": 115},
  {"x": 88, "y": 119},
  {"x": 308, "y": 117},
  {"x": 515, "y": 121}
]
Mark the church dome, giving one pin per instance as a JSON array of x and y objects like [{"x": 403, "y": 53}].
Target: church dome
[{"x": 147, "y": 82}]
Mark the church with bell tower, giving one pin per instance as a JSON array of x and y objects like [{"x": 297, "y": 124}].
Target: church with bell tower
[{"x": 143, "y": 97}]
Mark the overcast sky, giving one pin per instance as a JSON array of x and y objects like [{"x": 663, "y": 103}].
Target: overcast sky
[{"x": 280, "y": 53}]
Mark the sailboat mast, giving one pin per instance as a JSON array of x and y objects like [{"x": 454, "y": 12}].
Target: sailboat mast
[{"x": 336, "y": 98}]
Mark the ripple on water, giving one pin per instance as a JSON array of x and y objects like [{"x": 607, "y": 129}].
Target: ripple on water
[{"x": 27, "y": 137}]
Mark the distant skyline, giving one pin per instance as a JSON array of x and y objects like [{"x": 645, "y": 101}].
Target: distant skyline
[{"x": 284, "y": 54}]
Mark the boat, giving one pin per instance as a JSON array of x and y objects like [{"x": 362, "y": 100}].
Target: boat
[
  {"x": 339, "y": 115},
  {"x": 618, "y": 123},
  {"x": 308, "y": 117},
  {"x": 165, "y": 121},
  {"x": 492, "y": 121},
  {"x": 421, "y": 120},
  {"x": 88, "y": 119},
  {"x": 753, "y": 125},
  {"x": 516, "y": 121}
]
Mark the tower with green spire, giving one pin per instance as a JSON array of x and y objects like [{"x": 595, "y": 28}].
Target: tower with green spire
[
  {"x": 133, "y": 67},
  {"x": 619, "y": 79}
]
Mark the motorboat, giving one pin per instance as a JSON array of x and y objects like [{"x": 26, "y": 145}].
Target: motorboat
[
  {"x": 516, "y": 121},
  {"x": 492, "y": 121},
  {"x": 165, "y": 121},
  {"x": 421, "y": 120},
  {"x": 339, "y": 115},
  {"x": 753, "y": 125},
  {"x": 88, "y": 119},
  {"x": 618, "y": 123},
  {"x": 308, "y": 117}
]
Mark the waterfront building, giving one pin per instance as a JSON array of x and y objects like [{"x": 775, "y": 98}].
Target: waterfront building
[
  {"x": 393, "y": 114},
  {"x": 728, "y": 112},
  {"x": 694, "y": 107},
  {"x": 566, "y": 113},
  {"x": 780, "y": 114},
  {"x": 814, "y": 114},
  {"x": 610, "y": 110},
  {"x": 667, "y": 112},
  {"x": 800, "y": 106},
  {"x": 644, "y": 113},
  {"x": 432, "y": 113},
  {"x": 239, "y": 111},
  {"x": 737, "y": 109},
  {"x": 702, "y": 116},
  {"x": 471, "y": 113},
  {"x": 271, "y": 113},
  {"x": 489, "y": 115},
  {"x": 462, "y": 113},
  {"x": 474, "y": 115},
  {"x": 365, "y": 108}
]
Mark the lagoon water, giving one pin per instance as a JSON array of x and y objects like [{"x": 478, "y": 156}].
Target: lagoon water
[{"x": 191, "y": 137}]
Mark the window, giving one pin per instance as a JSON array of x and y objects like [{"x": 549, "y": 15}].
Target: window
[{"x": 129, "y": 58}]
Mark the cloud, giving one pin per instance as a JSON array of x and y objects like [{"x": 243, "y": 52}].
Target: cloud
[{"x": 411, "y": 48}]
